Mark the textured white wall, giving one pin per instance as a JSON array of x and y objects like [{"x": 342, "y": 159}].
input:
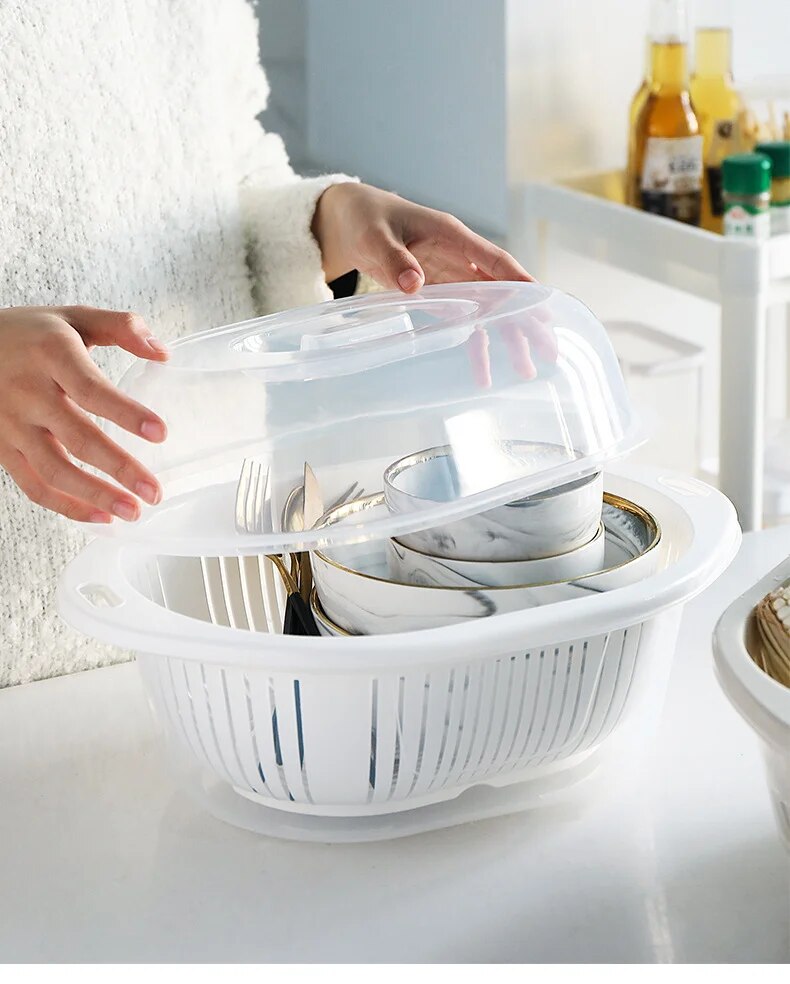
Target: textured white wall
[
  {"x": 761, "y": 38},
  {"x": 572, "y": 66}
]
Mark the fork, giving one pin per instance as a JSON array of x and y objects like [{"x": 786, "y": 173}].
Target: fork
[
  {"x": 251, "y": 497},
  {"x": 354, "y": 491},
  {"x": 251, "y": 503},
  {"x": 251, "y": 513}
]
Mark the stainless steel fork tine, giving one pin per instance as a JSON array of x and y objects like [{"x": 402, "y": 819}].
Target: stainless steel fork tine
[
  {"x": 354, "y": 491},
  {"x": 343, "y": 497},
  {"x": 249, "y": 515},
  {"x": 267, "y": 515},
  {"x": 251, "y": 497},
  {"x": 242, "y": 491},
  {"x": 261, "y": 483}
]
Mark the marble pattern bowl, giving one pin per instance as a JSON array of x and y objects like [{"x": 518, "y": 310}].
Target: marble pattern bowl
[
  {"x": 358, "y": 594},
  {"x": 326, "y": 626},
  {"x": 543, "y": 525},
  {"x": 417, "y": 567}
]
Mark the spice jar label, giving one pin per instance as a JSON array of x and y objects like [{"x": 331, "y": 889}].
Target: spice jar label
[
  {"x": 746, "y": 222},
  {"x": 672, "y": 177}
]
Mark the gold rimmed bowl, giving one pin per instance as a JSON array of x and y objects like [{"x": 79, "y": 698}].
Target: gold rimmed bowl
[
  {"x": 418, "y": 567},
  {"x": 358, "y": 592},
  {"x": 325, "y": 624}
]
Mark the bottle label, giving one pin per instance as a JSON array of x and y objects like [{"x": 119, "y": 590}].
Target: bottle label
[
  {"x": 747, "y": 222},
  {"x": 672, "y": 177}
]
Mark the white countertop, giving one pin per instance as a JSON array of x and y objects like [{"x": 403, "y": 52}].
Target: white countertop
[{"x": 102, "y": 860}]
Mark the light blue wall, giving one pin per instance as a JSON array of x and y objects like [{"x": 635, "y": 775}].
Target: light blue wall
[
  {"x": 283, "y": 37},
  {"x": 412, "y": 96}
]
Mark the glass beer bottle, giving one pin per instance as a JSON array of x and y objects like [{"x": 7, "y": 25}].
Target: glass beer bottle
[
  {"x": 668, "y": 144},
  {"x": 716, "y": 102}
]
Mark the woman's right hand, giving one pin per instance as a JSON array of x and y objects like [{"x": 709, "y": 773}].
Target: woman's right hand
[{"x": 48, "y": 385}]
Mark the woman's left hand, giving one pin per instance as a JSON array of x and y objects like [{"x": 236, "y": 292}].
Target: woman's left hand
[{"x": 400, "y": 244}]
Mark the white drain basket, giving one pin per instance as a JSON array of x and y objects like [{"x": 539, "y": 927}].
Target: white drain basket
[
  {"x": 371, "y": 737},
  {"x": 761, "y": 701}
]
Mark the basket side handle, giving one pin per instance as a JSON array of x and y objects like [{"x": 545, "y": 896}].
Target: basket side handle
[{"x": 96, "y": 598}]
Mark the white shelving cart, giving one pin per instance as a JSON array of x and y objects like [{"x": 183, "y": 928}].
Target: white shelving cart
[{"x": 746, "y": 279}]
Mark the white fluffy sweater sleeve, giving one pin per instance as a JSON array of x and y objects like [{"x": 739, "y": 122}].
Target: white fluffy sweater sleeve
[{"x": 135, "y": 176}]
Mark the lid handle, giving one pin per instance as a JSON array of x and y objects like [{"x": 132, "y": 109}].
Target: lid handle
[{"x": 398, "y": 324}]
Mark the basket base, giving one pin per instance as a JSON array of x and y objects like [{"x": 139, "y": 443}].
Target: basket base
[
  {"x": 571, "y": 788},
  {"x": 389, "y": 807}
]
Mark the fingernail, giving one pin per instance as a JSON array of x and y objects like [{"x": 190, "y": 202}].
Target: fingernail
[
  {"x": 409, "y": 280},
  {"x": 159, "y": 347},
  {"x": 152, "y": 430},
  {"x": 125, "y": 510},
  {"x": 100, "y": 517},
  {"x": 148, "y": 492}
]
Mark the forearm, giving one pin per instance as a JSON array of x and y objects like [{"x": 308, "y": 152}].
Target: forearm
[
  {"x": 327, "y": 218},
  {"x": 285, "y": 254}
]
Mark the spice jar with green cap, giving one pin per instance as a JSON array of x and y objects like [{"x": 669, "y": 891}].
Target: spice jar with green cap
[
  {"x": 779, "y": 153},
  {"x": 746, "y": 179}
]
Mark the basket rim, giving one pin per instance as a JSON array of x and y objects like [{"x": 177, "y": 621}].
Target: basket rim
[
  {"x": 140, "y": 624},
  {"x": 762, "y": 701}
]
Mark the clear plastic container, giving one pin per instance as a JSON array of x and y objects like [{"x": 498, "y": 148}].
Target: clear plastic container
[
  {"x": 369, "y": 737},
  {"x": 350, "y": 387},
  {"x": 357, "y": 738}
]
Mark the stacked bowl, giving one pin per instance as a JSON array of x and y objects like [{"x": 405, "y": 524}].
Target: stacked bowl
[{"x": 564, "y": 543}]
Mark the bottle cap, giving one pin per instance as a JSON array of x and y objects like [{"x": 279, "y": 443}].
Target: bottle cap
[
  {"x": 746, "y": 174},
  {"x": 779, "y": 153}
]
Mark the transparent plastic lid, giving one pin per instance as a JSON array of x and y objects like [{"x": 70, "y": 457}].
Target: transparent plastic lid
[{"x": 513, "y": 388}]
